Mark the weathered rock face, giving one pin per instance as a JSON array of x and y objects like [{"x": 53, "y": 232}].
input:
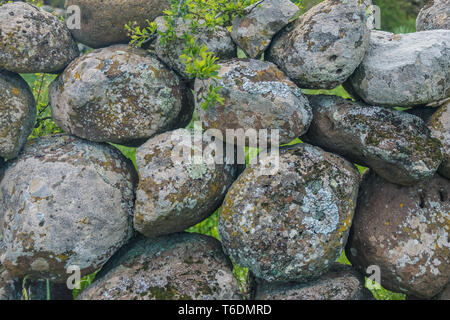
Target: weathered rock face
[
  {"x": 404, "y": 231},
  {"x": 292, "y": 225},
  {"x": 174, "y": 194},
  {"x": 219, "y": 42},
  {"x": 8, "y": 285},
  {"x": 17, "y": 113},
  {"x": 103, "y": 21},
  {"x": 340, "y": 283},
  {"x": 397, "y": 145},
  {"x": 64, "y": 202},
  {"x": 118, "y": 95},
  {"x": 323, "y": 47},
  {"x": 404, "y": 69},
  {"x": 439, "y": 125},
  {"x": 254, "y": 31},
  {"x": 32, "y": 40},
  {"x": 444, "y": 295},
  {"x": 435, "y": 15},
  {"x": 181, "y": 266},
  {"x": 257, "y": 95}
]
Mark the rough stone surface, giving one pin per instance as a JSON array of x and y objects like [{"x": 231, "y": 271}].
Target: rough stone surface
[
  {"x": 103, "y": 21},
  {"x": 17, "y": 113},
  {"x": 32, "y": 40},
  {"x": 254, "y": 31},
  {"x": 323, "y": 47},
  {"x": 180, "y": 266},
  {"x": 257, "y": 95},
  {"x": 119, "y": 95},
  {"x": 291, "y": 225},
  {"x": 404, "y": 231},
  {"x": 397, "y": 145},
  {"x": 175, "y": 193},
  {"x": 445, "y": 294},
  {"x": 404, "y": 69},
  {"x": 435, "y": 15},
  {"x": 340, "y": 283},
  {"x": 219, "y": 42},
  {"x": 439, "y": 125},
  {"x": 65, "y": 201}
]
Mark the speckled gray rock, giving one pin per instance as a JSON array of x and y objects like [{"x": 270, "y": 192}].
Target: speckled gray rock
[
  {"x": 218, "y": 41},
  {"x": 179, "y": 266},
  {"x": 404, "y": 231},
  {"x": 439, "y": 125},
  {"x": 103, "y": 21},
  {"x": 397, "y": 145},
  {"x": 257, "y": 95},
  {"x": 323, "y": 47},
  {"x": 32, "y": 40},
  {"x": 65, "y": 201},
  {"x": 404, "y": 69},
  {"x": 175, "y": 193},
  {"x": 119, "y": 95},
  {"x": 8, "y": 285},
  {"x": 435, "y": 15},
  {"x": 340, "y": 283},
  {"x": 17, "y": 113},
  {"x": 292, "y": 225},
  {"x": 253, "y": 32}
]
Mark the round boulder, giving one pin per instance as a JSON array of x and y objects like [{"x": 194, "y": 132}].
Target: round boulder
[
  {"x": 33, "y": 40},
  {"x": 180, "y": 266},
  {"x": 435, "y": 15},
  {"x": 65, "y": 202},
  {"x": 403, "y": 231},
  {"x": 293, "y": 224},
  {"x": 119, "y": 95},
  {"x": 439, "y": 125}
]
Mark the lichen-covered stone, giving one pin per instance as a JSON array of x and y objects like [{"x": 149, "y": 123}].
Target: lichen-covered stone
[
  {"x": 404, "y": 231},
  {"x": 180, "y": 266},
  {"x": 65, "y": 202},
  {"x": 119, "y": 95},
  {"x": 175, "y": 193},
  {"x": 17, "y": 113},
  {"x": 291, "y": 225},
  {"x": 435, "y": 15},
  {"x": 103, "y": 21},
  {"x": 439, "y": 125},
  {"x": 404, "y": 69},
  {"x": 253, "y": 32},
  {"x": 257, "y": 95},
  {"x": 340, "y": 283},
  {"x": 33, "y": 40},
  {"x": 218, "y": 41},
  {"x": 397, "y": 145},
  {"x": 323, "y": 47}
]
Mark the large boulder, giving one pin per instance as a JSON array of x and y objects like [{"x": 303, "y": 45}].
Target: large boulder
[
  {"x": 174, "y": 192},
  {"x": 404, "y": 69},
  {"x": 17, "y": 113},
  {"x": 65, "y": 202},
  {"x": 257, "y": 95},
  {"x": 119, "y": 95},
  {"x": 397, "y": 145},
  {"x": 323, "y": 47},
  {"x": 33, "y": 40},
  {"x": 439, "y": 125},
  {"x": 293, "y": 224},
  {"x": 253, "y": 32},
  {"x": 103, "y": 21},
  {"x": 180, "y": 266},
  {"x": 435, "y": 15},
  {"x": 403, "y": 231}
]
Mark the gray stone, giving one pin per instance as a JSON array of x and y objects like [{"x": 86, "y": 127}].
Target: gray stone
[
  {"x": 65, "y": 202},
  {"x": 180, "y": 266},
  {"x": 439, "y": 125},
  {"x": 435, "y": 15},
  {"x": 253, "y": 32},
  {"x": 291, "y": 225},
  {"x": 404, "y": 69},
  {"x": 323, "y": 47},
  {"x": 33, "y": 40},
  {"x": 445, "y": 294},
  {"x": 403, "y": 231},
  {"x": 397, "y": 145},
  {"x": 17, "y": 113},
  {"x": 119, "y": 95}
]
